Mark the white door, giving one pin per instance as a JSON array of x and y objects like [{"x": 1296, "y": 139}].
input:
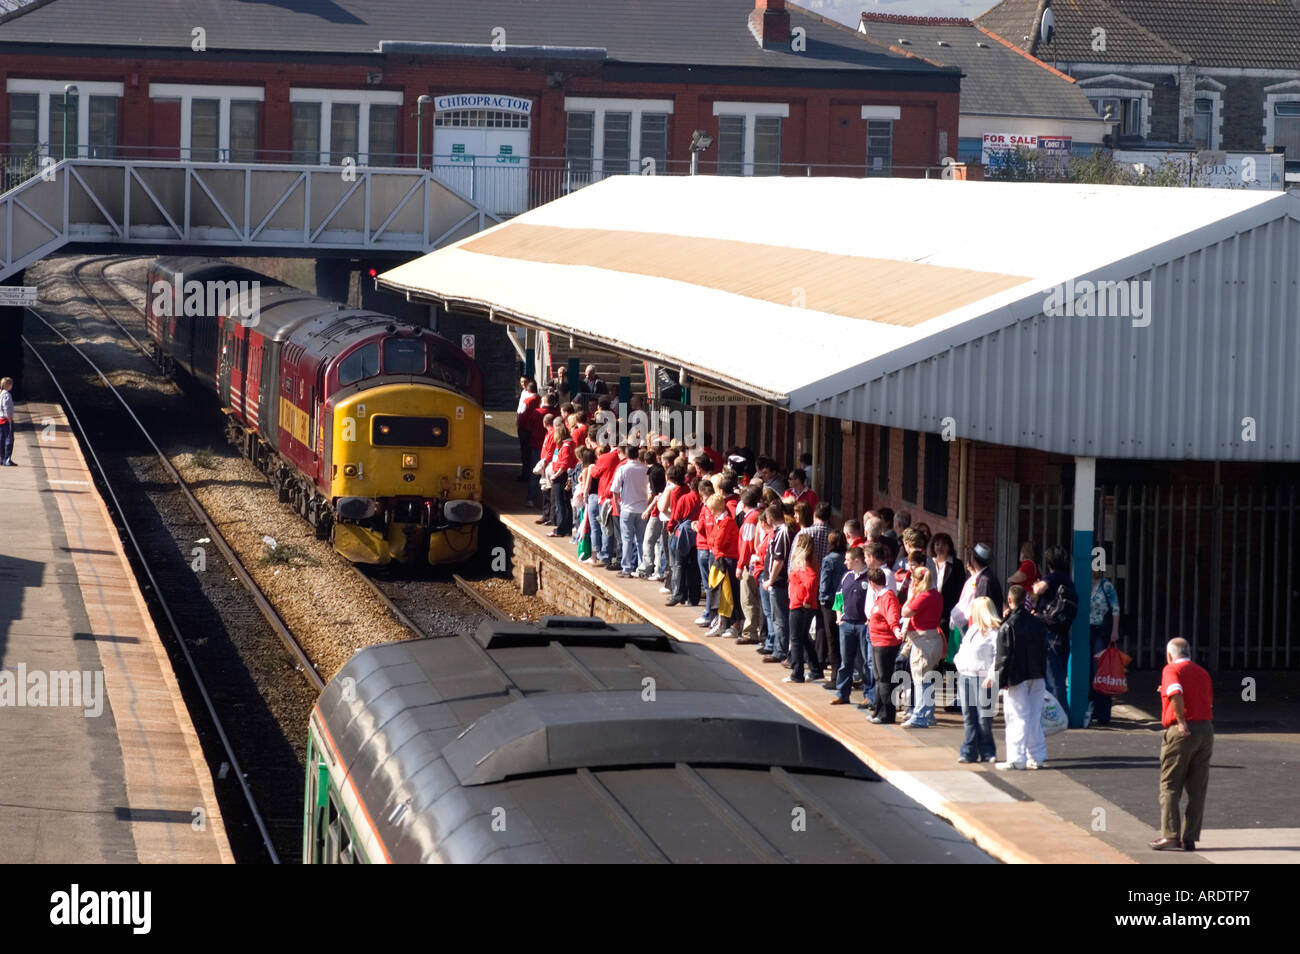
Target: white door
[{"x": 483, "y": 155}]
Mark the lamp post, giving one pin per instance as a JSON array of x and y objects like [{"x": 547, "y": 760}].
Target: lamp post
[
  {"x": 69, "y": 90},
  {"x": 419, "y": 127},
  {"x": 700, "y": 141}
]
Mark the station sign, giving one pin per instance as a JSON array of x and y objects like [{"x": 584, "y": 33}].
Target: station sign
[
  {"x": 711, "y": 397},
  {"x": 467, "y": 344},
  {"x": 17, "y": 296}
]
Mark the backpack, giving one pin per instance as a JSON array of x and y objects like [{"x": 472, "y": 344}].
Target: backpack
[{"x": 1059, "y": 610}]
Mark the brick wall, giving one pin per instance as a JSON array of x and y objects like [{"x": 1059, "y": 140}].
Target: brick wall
[
  {"x": 563, "y": 587},
  {"x": 495, "y": 356},
  {"x": 1243, "y": 113},
  {"x": 824, "y": 125}
]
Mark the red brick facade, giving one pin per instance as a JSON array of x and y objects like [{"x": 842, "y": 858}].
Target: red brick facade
[{"x": 824, "y": 125}]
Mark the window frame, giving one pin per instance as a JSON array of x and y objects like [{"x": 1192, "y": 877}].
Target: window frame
[
  {"x": 911, "y": 467},
  {"x": 363, "y": 99},
  {"x": 938, "y": 467},
  {"x": 598, "y": 107},
  {"x": 188, "y": 92},
  {"x": 48, "y": 91},
  {"x": 749, "y": 111}
]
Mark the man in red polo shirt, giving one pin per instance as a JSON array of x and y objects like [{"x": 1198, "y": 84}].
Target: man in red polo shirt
[{"x": 1186, "y": 710}]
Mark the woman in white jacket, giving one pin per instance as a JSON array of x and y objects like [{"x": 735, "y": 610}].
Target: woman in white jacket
[{"x": 974, "y": 662}]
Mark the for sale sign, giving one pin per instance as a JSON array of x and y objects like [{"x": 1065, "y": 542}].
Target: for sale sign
[{"x": 997, "y": 145}]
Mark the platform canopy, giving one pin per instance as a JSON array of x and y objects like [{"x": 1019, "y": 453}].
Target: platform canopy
[{"x": 905, "y": 302}]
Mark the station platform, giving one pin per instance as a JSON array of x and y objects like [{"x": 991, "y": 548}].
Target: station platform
[
  {"x": 99, "y": 761},
  {"x": 1097, "y": 801}
]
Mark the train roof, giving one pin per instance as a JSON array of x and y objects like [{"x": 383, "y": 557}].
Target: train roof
[{"x": 580, "y": 741}]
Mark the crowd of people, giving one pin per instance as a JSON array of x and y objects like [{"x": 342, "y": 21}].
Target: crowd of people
[{"x": 881, "y": 606}]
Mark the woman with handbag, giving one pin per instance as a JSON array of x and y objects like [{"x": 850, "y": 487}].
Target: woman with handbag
[
  {"x": 1103, "y": 626},
  {"x": 921, "y": 618}
]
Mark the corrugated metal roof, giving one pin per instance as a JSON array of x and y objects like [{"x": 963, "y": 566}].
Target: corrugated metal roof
[{"x": 1223, "y": 307}]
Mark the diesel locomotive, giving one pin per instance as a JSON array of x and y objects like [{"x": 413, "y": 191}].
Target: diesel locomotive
[{"x": 371, "y": 429}]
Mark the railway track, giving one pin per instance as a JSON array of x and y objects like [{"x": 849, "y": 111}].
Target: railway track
[
  {"x": 422, "y": 607},
  {"x": 140, "y": 544}
]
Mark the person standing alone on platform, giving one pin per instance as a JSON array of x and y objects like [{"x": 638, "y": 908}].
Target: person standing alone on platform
[
  {"x": 1021, "y": 669},
  {"x": 1186, "y": 711},
  {"x": 6, "y": 422}
]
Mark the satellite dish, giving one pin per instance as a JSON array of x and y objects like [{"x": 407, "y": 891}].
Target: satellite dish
[{"x": 1048, "y": 31}]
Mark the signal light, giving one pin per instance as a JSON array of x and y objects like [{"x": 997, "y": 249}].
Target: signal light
[
  {"x": 409, "y": 461},
  {"x": 374, "y": 272}
]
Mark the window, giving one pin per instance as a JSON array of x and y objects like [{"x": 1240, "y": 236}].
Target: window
[
  {"x": 24, "y": 117},
  {"x": 244, "y": 133},
  {"x": 578, "y": 141},
  {"x": 391, "y": 431},
  {"x": 911, "y": 451},
  {"x": 1203, "y": 124},
  {"x": 306, "y": 133},
  {"x": 205, "y": 129},
  {"x": 612, "y": 136},
  {"x": 403, "y": 356},
  {"x": 618, "y": 143},
  {"x": 362, "y": 363},
  {"x": 383, "y": 136},
  {"x": 103, "y": 127},
  {"x": 1286, "y": 128},
  {"x": 880, "y": 147},
  {"x": 767, "y": 145},
  {"x": 344, "y": 128},
  {"x": 1125, "y": 112},
  {"x": 882, "y": 460},
  {"x": 58, "y": 126},
  {"x": 749, "y": 137},
  {"x": 731, "y": 145},
  {"x": 654, "y": 139},
  {"x": 481, "y": 119},
  {"x": 936, "y": 475}
]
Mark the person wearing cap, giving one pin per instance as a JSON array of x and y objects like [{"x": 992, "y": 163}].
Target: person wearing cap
[
  {"x": 1186, "y": 711},
  {"x": 981, "y": 581}
]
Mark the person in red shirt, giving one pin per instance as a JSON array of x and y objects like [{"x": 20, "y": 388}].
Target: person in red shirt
[
  {"x": 797, "y": 490},
  {"x": 884, "y": 618},
  {"x": 563, "y": 459},
  {"x": 686, "y": 579},
  {"x": 922, "y": 613},
  {"x": 803, "y": 607},
  {"x": 529, "y": 398},
  {"x": 750, "y": 599},
  {"x": 1186, "y": 712},
  {"x": 724, "y": 544},
  {"x": 606, "y": 466},
  {"x": 715, "y": 458},
  {"x": 853, "y": 535},
  {"x": 704, "y": 554}
]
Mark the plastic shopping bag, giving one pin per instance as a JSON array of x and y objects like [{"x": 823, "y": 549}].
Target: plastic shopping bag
[
  {"x": 1111, "y": 679},
  {"x": 1055, "y": 718},
  {"x": 954, "y": 643}
]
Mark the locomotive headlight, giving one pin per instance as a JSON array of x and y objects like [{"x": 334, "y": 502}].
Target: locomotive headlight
[
  {"x": 349, "y": 470},
  {"x": 410, "y": 461}
]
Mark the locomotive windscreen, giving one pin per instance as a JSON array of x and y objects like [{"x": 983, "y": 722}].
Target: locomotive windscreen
[{"x": 388, "y": 430}]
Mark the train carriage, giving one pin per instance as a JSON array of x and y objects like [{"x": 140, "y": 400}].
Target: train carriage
[
  {"x": 371, "y": 429},
  {"x": 580, "y": 741}
]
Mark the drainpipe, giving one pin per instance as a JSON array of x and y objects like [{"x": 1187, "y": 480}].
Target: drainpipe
[{"x": 962, "y": 478}]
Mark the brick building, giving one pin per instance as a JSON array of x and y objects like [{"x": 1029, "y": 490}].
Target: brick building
[
  {"x": 525, "y": 101},
  {"x": 1211, "y": 74}
]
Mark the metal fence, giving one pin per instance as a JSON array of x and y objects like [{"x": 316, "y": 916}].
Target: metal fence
[
  {"x": 1214, "y": 563},
  {"x": 505, "y": 185}
]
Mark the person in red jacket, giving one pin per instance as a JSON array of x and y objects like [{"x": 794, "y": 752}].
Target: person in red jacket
[
  {"x": 803, "y": 607},
  {"x": 611, "y": 547},
  {"x": 922, "y": 613},
  {"x": 750, "y": 599},
  {"x": 686, "y": 579},
  {"x": 884, "y": 617},
  {"x": 797, "y": 490},
  {"x": 528, "y": 398},
  {"x": 724, "y": 543},
  {"x": 704, "y": 554},
  {"x": 544, "y": 454},
  {"x": 563, "y": 460}
]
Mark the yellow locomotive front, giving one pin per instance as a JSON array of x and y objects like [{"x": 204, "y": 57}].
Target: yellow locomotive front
[{"x": 405, "y": 474}]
